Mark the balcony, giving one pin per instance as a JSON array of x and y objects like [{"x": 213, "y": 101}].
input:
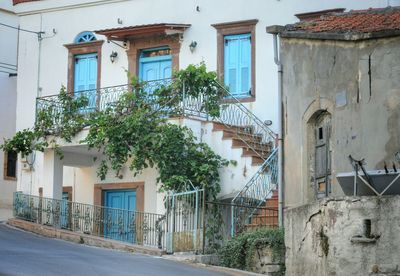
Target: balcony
[
  {"x": 171, "y": 98},
  {"x": 162, "y": 95}
]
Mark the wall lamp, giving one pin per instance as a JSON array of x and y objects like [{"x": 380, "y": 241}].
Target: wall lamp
[
  {"x": 192, "y": 46},
  {"x": 113, "y": 56}
]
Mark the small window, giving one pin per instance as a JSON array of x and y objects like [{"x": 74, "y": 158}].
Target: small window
[
  {"x": 10, "y": 165},
  {"x": 85, "y": 37}
]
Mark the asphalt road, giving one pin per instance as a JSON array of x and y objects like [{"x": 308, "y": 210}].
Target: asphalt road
[{"x": 23, "y": 253}]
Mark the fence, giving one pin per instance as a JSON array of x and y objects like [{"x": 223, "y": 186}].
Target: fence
[
  {"x": 128, "y": 226},
  {"x": 185, "y": 214},
  {"x": 218, "y": 221}
]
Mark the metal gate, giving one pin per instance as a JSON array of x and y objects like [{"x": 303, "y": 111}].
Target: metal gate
[{"x": 185, "y": 218}]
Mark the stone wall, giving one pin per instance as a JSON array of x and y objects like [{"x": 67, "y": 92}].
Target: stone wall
[
  {"x": 328, "y": 237},
  {"x": 358, "y": 84}
]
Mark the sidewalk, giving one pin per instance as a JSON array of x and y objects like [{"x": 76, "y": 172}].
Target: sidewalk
[{"x": 5, "y": 214}]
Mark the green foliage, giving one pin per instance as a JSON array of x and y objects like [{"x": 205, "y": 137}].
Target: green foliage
[
  {"x": 68, "y": 113},
  {"x": 239, "y": 252},
  {"x": 134, "y": 130},
  {"x": 25, "y": 142},
  {"x": 195, "y": 81}
]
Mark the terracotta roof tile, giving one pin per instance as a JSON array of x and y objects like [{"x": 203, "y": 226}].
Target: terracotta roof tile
[{"x": 360, "y": 21}]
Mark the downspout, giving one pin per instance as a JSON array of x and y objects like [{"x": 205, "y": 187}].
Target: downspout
[{"x": 275, "y": 30}]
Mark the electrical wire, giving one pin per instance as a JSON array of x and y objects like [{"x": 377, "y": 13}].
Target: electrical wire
[
  {"x": 17, "y": 28},
  {"x": 8, "y": 64},
  {"x": 1, "y": 71},
  {"x": 8, "y": 68}
]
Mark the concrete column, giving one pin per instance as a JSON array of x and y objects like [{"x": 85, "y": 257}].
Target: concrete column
[{"x": 52, "y": 175}]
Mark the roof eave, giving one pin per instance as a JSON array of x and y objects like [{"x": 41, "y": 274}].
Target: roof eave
[{"x": 349, "y": 36}]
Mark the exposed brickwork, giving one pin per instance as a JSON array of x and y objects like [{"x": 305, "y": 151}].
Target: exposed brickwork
[
  {"x": 360, "y": 21},
  {"x": 15, "y": 2}
]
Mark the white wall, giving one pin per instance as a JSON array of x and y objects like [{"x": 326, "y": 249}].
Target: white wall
[
  {"x": 8, "y": 92},
  {"x": 70, "y": 17}
]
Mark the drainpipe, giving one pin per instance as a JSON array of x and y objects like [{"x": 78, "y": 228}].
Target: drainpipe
[{"x": 275, "y": 30}]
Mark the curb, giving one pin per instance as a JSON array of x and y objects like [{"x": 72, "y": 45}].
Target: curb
[{"x": 51, "y": 232}]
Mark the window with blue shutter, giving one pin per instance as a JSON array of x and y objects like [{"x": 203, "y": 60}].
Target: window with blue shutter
[{"x": 237, "y": 64}]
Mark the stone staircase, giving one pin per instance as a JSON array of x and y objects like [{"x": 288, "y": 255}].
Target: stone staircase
[
  {"x": 244, "y": 137},
  {"x": 252, "y": 145},
  {"x": 267, "y": 215}
]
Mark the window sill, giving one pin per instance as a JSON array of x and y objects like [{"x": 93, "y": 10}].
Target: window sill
[{"x": 10, "y": 178}]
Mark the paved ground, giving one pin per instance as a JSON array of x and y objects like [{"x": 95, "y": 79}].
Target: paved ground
[
  {"x": 5, "y": 214},
  {"x": 23, "y": 253}
]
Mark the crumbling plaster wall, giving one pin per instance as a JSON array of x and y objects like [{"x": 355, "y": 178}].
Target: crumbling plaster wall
[
  {"x": 318, "y": 237},
  {"x": 365, "y": 121}
]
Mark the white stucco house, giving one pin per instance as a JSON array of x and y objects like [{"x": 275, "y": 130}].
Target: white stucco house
[
  {"x": 8, "y": 103},
  {"x": 89, "y": 44}
]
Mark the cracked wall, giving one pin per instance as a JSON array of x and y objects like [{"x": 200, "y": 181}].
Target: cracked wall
[
  {"x": 358, "y": 83},
  {"x": 326, "y": 237}
]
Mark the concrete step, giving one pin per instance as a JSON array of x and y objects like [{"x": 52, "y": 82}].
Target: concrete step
[
  {"x": 230, "y": 134},
  {"x": 237, "y": 143},
  {"x": 244, "y": 129},
  {"x": 256, "y": 161}
]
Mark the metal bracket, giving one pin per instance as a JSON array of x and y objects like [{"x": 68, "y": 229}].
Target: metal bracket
[{"x": 124, "y": 46}]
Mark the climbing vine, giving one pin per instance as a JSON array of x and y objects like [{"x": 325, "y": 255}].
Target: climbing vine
[
  {"x": 135, "y": 131},
  {"x": 240, "y": 251}
]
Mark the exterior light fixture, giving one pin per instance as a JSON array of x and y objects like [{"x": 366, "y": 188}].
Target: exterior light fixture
[
  {"x": 192, "y": 46},
  {"x": 113, "y": 56}
]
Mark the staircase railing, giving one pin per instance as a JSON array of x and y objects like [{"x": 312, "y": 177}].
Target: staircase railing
[
  {"x": 255, "y": 192},
  {"x": 237, "y": 119}
]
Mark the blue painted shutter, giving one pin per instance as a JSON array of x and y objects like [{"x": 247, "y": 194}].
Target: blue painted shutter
[
  {"x": 237, "y": 64},
  {"x": 85, "y": 72}
]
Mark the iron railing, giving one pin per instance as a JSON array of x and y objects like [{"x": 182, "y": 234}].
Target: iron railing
[
  {"x": 239, "y": 122},
  {"x": 185, "y": 215},
  {"x": 235, "y": 116},
  {"x": 263, "y": 217},
  {"x": 103, "y": 98},
  {"x": 256, "y": 191},
  {"x": 136, "y": 227}
]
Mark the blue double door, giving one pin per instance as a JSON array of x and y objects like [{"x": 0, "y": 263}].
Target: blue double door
[
  {"x": 85, "y": 78},
  {"x": 155, "y": 66},
  {"x": 119, "y": 223}
]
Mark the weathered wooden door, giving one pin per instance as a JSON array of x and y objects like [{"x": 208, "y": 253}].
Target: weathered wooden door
[{"x": 322, "y": 155}]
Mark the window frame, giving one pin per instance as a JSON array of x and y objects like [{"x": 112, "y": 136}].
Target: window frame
[
  {"x": 5, "y": 167},
  {"x": 236, "y": 28},
  {"x": 80, "y": 49}
]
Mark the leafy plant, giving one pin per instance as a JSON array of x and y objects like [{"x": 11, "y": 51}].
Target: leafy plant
[
  {"x": 134, "y": 130},
  {"x": 25, "y": 142},
  {"x": 239, "y": 252}
]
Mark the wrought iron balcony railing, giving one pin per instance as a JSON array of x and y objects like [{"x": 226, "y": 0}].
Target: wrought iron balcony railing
[
  {"x": 234, "y": 115},
  {"x": 119, "y": 224}
]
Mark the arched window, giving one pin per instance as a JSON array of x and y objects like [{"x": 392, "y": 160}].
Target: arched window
[{"x": 85, "y": 37}]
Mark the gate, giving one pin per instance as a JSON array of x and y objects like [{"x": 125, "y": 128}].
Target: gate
[{"x": 185, "y": 218}]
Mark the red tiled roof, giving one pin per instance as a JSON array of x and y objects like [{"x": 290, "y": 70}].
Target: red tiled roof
[
  {"x": 361, "y": 21},
  {"x": 124, "y": 33}
]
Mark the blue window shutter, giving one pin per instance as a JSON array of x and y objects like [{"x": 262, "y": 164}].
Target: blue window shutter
[
  {"x": 85, "y": 72},
  {"x": 231, "y": 64},
  {"x": 245, "y": 65},
  {"x": 237, "y": 64}
]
